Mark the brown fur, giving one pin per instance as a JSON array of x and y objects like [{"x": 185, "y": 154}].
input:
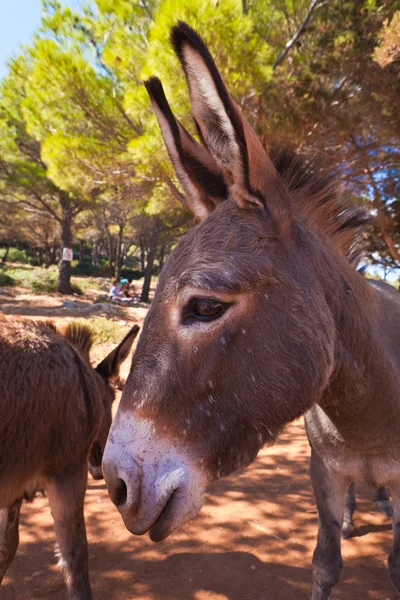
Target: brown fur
[
  {"x": 53, "y": 404},
  {"x": 317, "y": 198},
  {"x": 80, "y": 337},
  {"x": 292, "y": 329}
]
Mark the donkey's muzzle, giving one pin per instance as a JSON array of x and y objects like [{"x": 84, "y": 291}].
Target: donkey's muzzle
[
  {"x": 146, "y": 502},
  {"x": 151, "y": 481}
]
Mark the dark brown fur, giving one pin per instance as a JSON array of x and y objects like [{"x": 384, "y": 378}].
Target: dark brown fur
[{"x": 53, "y": 405}]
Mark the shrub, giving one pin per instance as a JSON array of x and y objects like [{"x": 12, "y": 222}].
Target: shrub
[
  {"x": 6, "y": 280},
  {"x": 18, "y": 256},
  {"x": 76, "y": 289},
  {"x": 131, "y": 274},
  {"x": 46, "y": 282},
  {"x": 86, "y": 268}
]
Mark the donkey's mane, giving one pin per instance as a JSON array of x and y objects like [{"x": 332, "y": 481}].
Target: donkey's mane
[
  {"x": 317, "y": 197},
  {"x": 80, "y": 336}
]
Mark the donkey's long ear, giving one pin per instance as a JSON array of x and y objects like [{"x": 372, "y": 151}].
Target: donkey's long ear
[
  {"x": 224, "y": 131},
  {"x": 197, "y": 171},
  {"x": 109, "y": 367}
]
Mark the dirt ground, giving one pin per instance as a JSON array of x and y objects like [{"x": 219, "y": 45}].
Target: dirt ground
[{"x": 253, "y": 540}]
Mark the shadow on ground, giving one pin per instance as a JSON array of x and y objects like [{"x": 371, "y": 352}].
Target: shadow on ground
[{"x": 253, "y": 541}]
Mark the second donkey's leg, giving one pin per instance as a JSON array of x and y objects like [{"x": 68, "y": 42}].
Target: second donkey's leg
[
  {"x": 382, "y": 501},
  {"x": 9, "y": 535},
  {"x": 348, "y": 524},
  {"x": 66, "y": 497},
  {"x": 330, "y": 495}
]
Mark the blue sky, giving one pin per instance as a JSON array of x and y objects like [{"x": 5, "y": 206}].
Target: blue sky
[{"x": 18, "y": 21}]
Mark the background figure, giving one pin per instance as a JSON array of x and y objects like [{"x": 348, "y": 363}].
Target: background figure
[{"x": 117, "y": 294}]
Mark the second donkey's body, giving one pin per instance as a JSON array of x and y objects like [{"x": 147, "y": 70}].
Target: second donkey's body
[
  {"x": 53, "y": 405},
  {"x": 357, "y": 438}
]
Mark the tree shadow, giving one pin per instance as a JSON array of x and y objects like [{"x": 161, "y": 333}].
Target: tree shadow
[
  {"x": 253, "y": 541},
  {"x": 366, "y": 529}
]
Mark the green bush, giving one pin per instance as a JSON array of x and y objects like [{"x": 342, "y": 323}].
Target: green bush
[
  {"x": 6, "y": 280},
  {"x": 89, "y": 283},
  {"x": 18, "y": 256},
  {"x": 131, "y": 274},
  {"x": 47, "y": 281},
  {"x": 41, "y": 280},
  {"x": 86, "y": 268},
  {"x": 76, "y": 289}
]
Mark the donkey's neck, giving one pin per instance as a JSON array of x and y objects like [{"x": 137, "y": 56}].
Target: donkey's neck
[{"x": 362, "y": 398}]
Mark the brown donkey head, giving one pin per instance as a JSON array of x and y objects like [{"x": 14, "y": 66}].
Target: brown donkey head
[
  {"x": 108, "y": 370},
  {"x": 240, "y": 338}
]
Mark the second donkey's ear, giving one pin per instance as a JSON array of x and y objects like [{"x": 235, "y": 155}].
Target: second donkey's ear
[
  {"x": 197, "y": 171},
  {"x": 109, "y": 366}
]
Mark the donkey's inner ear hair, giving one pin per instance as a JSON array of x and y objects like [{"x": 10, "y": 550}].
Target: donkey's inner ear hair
[
  {"x": 217, "y": 119},
  {"x": 197, "y": 171},
  {"x": 223, "y": 129}
]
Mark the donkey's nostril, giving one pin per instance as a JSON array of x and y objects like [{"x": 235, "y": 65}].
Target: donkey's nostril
[
  {"x": 123, "y": 482},
  {"x": 119, "y": 493}
]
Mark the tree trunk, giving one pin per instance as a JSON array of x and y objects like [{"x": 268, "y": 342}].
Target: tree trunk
[
  {"x": 149, "y": 265},
  {"x": 41, "y": 261},
  {"x": 111, "y": 253},
  {"x": 118, "y": 253},
  {"x": 53, "y": 254},
  {"x": 142, "y": 254},
  {"x": 81, "y": 251},
  {"x": 64, "y": 267},
  {"x": 387, "y": 236},
  {"x": 161, "y": 259},
  {"x": 95, "y": 253},
  {"x": 5, "y": 257}
]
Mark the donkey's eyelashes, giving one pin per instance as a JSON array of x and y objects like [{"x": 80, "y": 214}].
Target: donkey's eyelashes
[{"x": 203, "y": 310}]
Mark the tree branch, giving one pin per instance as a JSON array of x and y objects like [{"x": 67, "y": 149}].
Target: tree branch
[
  {"x": 99, "y": 57},
  {"x": 299, "y": 32},
  {"x": 174, "y": 190}
]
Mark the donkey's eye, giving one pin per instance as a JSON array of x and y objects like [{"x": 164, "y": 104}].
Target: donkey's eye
[{"x": 203, "y": 309}]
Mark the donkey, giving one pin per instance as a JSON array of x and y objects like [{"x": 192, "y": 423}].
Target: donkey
[
  {"x": 259, "y": 317},
  {"x": 53, "y": 406},
  {"x": 382, "y": 503}
]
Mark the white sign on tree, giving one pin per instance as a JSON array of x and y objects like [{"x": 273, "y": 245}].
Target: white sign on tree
[{"x": 67, "y": 254}]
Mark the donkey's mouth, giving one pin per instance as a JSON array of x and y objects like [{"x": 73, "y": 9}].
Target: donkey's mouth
[
  {"x": 162, "y": 519},
  {"x": 184, "y": 503},
  {"x": 163, "y": 526}
]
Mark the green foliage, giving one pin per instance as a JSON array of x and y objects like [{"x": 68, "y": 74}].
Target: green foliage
[
  {"x": 104, "y": 330},
  {"x": 133, "y": 274},
  {"x": 45, "y": 283},
  {"x": 388, "y": 50},
  {"x": 75, "y": 119},
  {"x": 17, "y": 255},
  {"x": 85, "y": 268},
  {"x": 36, "y": 279},
  {"x": 84, "y": 284},
  {"x": 6, "y": 280},
  {"x": 76, "y": 289}
]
